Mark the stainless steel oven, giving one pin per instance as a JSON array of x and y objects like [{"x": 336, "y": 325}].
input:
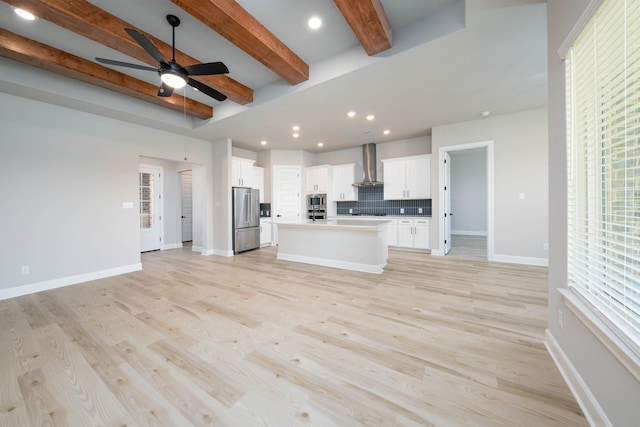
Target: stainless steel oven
[{"x": 317, "y": 206}]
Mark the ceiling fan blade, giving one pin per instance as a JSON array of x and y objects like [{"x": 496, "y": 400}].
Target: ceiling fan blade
[
  {"x": 125, "y": 64},
  {"x": 165, "y": 91},
  {"x": 146, "y": 45},
  {"x": 207, "y": 69},
  {"x": 206, "y": 89}
]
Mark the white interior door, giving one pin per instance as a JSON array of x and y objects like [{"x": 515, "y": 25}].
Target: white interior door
[
  {"x": 150, "y": 208},
  {"x": 186, "y": 214},
  {"x": 286, "y": 194},
  {"x": 447, "y": 203}
]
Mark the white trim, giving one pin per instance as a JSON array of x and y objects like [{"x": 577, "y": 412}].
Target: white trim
[
  {"x": 588, "y": 403},
  {"x": 603, "y": 330},
  {"x": 468, "y": 233},
  {"x": 32, "y": 288},
  {"x": 195, "y": 248},
  {"x": 354, "y": 266},
  {"x": 218, "y": 252},
  {"x": 438, "y": 250},
  {"x": 543, "y": 262},
  {"x": 588, "y": 13},
  {"x": 171, "y": 246}
]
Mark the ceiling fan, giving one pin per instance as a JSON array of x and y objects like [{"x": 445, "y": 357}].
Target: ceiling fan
[{"x": 172, "y": 74}]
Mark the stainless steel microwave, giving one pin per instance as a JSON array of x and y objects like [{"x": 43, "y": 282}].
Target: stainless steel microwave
[{"x": 317, "y": 201}]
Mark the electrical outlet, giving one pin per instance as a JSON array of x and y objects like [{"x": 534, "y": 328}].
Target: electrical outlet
[
  {"x": 350, "y": 210},
  {"x": 419, "y": 210},
  {"x": 545, "y": 246},
  {"x": 521, "y": 196},
  {"x": 24, "y": 270},
  {"x": 401, "y": 210},
  {"x": 560, "y": 319}
]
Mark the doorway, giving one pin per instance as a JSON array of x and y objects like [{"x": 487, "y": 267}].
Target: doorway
[
  {"x": 150, "y": 190},
  {"x": 186, "y": 206},
  {"x": 466, "y": 194}
]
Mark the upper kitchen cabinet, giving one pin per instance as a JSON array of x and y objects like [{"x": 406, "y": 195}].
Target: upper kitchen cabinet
[
  {"x": 407, "y": 178},
  {"x": 317, "y": 179},
  {"x": 343, "y": 178},
  {"x": 242, "y": 172}
]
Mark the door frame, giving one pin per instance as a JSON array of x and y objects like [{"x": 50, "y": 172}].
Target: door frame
[
  {"x": 439, "y": 248},
  {"x": 181, "y": 200},
  {"x": 157, "y": 203}
]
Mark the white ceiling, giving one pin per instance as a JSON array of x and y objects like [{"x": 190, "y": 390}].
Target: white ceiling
[{"x": 450, "y": 60}]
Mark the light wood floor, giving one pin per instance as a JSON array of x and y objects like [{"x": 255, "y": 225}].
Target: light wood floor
[
  {"x": 468, "y": 247},
  {"x": 253, "y": 341}
]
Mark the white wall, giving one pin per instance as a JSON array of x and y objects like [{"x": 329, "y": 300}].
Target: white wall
[
  {"x": 614, "y": 391},
  {"x": 520, "y": 166},
  {"x": 64, "y": 176},
  {"x": 468, "y": 189}
]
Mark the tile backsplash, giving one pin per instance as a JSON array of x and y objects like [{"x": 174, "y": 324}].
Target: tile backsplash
[{"x": 371, "y": 202}]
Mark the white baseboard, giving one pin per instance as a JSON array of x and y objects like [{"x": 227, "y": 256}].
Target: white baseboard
[
  {"x": 221, "y": 252},
  {"x": 171, "y": 246},
  {"x": 365, "y": 268},
  {"x": 32, "y": 288},
  {"x": 588, "y": 403},
  {"x": 196, "y": 248},
  {"x": 469, "y": 233},
  {"x": 543, "y": 262}
]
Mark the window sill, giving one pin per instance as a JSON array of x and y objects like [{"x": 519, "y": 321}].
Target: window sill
[{"x": 605, "y": 333}]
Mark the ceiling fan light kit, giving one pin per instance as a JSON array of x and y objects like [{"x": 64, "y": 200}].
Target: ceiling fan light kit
[
  {"x": 172, "y": 74},
  {"x": 173, "y": 79}
]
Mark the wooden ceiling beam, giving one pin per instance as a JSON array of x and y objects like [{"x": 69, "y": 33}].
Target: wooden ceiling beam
[
  {"x": 369, "y": 23},
  {"x": 27, "y": 51},
  {"x": 233, "y": 22},
  {"x": 90, "y": 21}
]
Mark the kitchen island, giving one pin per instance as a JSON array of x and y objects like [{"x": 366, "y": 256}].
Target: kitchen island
[{"x": 340, "y": 243}]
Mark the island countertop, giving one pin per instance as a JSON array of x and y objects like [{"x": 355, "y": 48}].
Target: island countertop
[{"x": 335, "y": 224}]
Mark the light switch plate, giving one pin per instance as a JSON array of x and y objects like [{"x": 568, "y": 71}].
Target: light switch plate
[{"x": 127, "y": 205}]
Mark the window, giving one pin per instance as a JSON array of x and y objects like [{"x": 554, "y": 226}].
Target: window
[
  {"x": 603, "y": 117},
  {"x": 146, "y": 200}
]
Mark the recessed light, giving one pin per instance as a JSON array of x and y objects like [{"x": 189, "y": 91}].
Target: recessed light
[
  {"x": 295, "y": 135},
  {"x": 371, "y": 117},
  {"x": 485, "y": 113},
  {"x": 25, "y": 15},
  {"x": 387, "y": 132},
  {"x": 351, "y": 114},
  {"x": 263, "y": 142},
  {"x": 320, "y": 144},
  {"x": 296, "y": 127},
  {"x": 314, "y": 23}
]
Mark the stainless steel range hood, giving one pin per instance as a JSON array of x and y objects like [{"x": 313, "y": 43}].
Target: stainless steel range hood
[{"x": 369, "y": 167}]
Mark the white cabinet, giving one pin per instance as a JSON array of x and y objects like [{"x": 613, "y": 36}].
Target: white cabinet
[
  {"x": 241, "y": 172},
  {"x": 258, "y": 181},
  {"x": 317, "y": 179},
  {"x": 392, "y": 233},
  {"x": 414, "y": 233},
  {"x": 343, "y": 177},
  {"x": 407, "y": 178},
  {"x": 265, "y": 232}
]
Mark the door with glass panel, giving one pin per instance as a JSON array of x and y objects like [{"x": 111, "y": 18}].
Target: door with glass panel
[{"x": 150, "y": 207}]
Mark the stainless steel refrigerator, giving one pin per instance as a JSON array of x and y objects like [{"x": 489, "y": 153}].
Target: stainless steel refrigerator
[{"x": 246, "y": 219}]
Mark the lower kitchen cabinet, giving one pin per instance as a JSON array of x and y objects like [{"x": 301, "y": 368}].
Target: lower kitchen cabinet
[
  {"x": 265, "y": 232},
  {"x": 413, "y": 233}
]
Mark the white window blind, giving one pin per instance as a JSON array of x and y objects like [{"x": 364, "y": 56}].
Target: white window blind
[{"x": 603, "y": 117}]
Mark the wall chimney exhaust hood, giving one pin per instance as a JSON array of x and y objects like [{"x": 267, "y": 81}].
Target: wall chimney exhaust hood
[{"x": 369, "y": 167}]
